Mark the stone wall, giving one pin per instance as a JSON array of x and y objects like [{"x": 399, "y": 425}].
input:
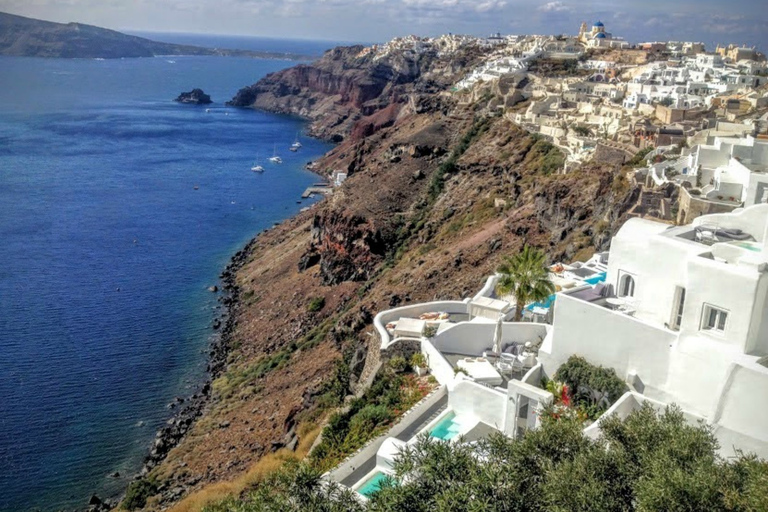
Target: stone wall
[{"x": 692, "y": 207}]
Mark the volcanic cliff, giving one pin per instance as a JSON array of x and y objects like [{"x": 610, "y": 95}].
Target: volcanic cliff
[{"x": 441, "y": 186}]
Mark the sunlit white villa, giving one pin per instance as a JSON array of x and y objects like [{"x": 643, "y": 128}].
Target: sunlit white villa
[
  {"x": 718, "y": 176},
  {"x": 683, "y": 317},
  {"x": 679, "y": 312}
]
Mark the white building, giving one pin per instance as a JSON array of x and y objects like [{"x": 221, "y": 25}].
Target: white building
[
  {"x": 731, "y": 169},
  {"x": 684, "y": 318}
]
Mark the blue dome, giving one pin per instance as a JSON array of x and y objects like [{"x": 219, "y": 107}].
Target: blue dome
[
  {"x": 600, "y": 36},
  {"x": 599, "y": 24}
]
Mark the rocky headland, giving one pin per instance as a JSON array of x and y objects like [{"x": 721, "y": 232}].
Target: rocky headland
[
  {"x": 440, "y": 187},
  {"x": 28, "y": 37},
  {"x": 194, "y": 97}
]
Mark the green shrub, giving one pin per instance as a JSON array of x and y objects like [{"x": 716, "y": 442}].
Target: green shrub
[
  {"x": 647, "y": 462},
  {"x": 594, "y": 388},
  {"x": 316, "y": 304},
  {"x": 430, "y": 331},
  {"x": 398, "y": 364},
  {"x": 138, "y": 492},
  {"x": 419, "y": 360},
  {"x": 365, "y": 422},
  {"x": 639, "y": 159}
]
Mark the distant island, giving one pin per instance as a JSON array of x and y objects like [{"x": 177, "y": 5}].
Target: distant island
[{"x": 28, "y": 37}]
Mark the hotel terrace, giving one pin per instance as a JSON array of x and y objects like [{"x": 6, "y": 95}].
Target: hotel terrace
[{"x": 678, "y": 312}]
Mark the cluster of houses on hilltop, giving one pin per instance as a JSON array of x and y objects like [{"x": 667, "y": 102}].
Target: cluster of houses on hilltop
[{"x": 633, "y": 96}]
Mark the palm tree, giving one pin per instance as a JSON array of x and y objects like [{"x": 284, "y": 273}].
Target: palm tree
[{"x": 526, "y": 276}]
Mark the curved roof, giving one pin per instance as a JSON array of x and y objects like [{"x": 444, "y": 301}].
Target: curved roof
[
  {"x": 599, "y": 24},
  {"x": 640, "y": 229},
  {"x": 600, "y": 35}
]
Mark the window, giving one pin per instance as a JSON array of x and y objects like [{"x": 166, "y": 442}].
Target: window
[
  {"x": 626, "y": 286},
  {"x": 714, "y": 319},
  {"x": 677, "y": 313}
]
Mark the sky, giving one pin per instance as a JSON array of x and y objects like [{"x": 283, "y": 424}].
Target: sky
[{"x": 709, "y": 21}]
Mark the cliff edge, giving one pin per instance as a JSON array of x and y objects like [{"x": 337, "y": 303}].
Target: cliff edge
[{"x": 439, "y": 189}]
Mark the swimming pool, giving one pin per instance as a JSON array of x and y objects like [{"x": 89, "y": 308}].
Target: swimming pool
[
  {"x": 447, "y": 428},
  {"x": 546, "y": 304},
  {"x": 372, "y": 485},
  {"x": 750, "y": 246},
  {"x": 599, "y": 278}
]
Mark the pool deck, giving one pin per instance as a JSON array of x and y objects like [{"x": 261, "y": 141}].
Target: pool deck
[
  {"x": 480, "y": 431},
  {"x": 423, "y": 420}
]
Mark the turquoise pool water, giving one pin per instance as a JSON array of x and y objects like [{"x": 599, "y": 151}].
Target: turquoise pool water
[
  {"x": 446, "y": 429},
  {"x": 372, "y": 485},
  {"x": 546, "y": 304},
  {"x": 750, "y": 246},
  {"x": 599, "y": 278}
]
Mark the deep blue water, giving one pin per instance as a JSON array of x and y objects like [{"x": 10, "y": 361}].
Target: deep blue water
[{"x": 107, "y": 248}]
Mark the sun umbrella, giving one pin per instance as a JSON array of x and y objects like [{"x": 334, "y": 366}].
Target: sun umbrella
[{"x": 497, "y": 336}]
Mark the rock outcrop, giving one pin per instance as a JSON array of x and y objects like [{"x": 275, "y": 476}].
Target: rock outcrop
[
  {"x": 350, "y": 84},
  {"x": 194, "y": 97}
]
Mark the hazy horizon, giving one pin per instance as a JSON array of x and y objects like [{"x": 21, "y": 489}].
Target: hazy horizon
[{"x": 709, "y": 21}]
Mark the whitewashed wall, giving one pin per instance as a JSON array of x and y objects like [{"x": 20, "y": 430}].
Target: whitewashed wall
[
  {"x": 608, "y": 338},
  {"x": 440, "y": 368},
  {"x": 472, "y": 338},
  {"x": 486, "y": 404},
  {"x": 413, "y": 311}
]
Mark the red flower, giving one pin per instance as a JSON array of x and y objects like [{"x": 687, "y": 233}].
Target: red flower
[{"x": 565, "y": 397}]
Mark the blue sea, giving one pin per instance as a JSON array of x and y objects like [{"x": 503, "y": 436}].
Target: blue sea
[{"x": 118, "y": 209}]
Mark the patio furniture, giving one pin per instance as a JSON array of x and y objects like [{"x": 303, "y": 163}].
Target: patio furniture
[
  {"x": 480, "y": 370},
  {"x": 504, "y": 367},
  {"x": 488, "y": 308},
  {"x": 409, "y": 328},
  {"x": 518, "y": 367},
  {"x": 600, "y": 291}
]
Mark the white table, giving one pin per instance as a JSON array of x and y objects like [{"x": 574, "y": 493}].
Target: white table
[
  {"x": 481, "y": 371},
  {"x": 616, "y": 302}
]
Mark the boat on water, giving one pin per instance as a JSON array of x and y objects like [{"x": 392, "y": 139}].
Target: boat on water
[
  {"x": 293, "y": 150},
  {"x": 256, "y": 167},
  {"x": 296, "y": 144},
  {"x": 274, "y": 158}
]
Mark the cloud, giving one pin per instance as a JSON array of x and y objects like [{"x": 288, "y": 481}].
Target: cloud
[
  {"x": 554, "y": 7},
  {"x": 457, "y": 5},
  {"x": 379, "y": 20}
]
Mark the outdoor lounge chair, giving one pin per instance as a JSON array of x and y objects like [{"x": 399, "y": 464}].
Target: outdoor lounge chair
[{"x": 600, "y": 291}]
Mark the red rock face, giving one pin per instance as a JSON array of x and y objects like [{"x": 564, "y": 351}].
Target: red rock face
[
  {"x": 344, "y": 85},
  {"x": 347, "y": 247},
  {"x": 369, "y": 125}
]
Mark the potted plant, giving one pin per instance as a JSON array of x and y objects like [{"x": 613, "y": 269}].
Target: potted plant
[
  {"x": 419, "y": 364},
  {"x": 398, "y": 364},
  {"x": 429, "y": 331}
]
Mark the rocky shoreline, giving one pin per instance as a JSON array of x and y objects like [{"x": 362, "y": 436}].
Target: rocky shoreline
[{"x": 188, "y": 410}]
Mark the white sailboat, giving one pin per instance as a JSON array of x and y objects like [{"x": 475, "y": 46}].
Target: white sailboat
[
  {"x": 274, "y": 158},
  {"x": 256, "y": 167},
  {"x": 296, "y": 144}
]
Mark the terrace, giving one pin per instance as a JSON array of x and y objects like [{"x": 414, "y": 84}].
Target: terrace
[
  {"x": 468, "y": 348},
  {"x": 410, "y": 323}
]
